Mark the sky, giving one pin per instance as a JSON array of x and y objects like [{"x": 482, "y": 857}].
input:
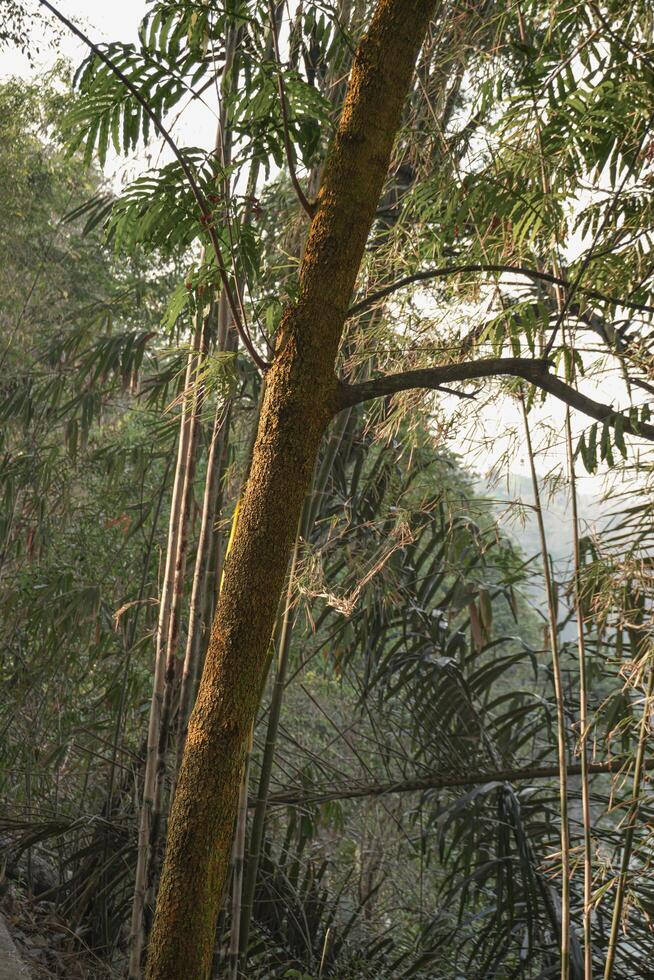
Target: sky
[
  {"x": 480, "y": 446},
  {"x": 115, "y": 20}
]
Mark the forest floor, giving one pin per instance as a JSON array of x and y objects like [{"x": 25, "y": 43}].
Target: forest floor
[
  {"x": 11, "y": 965},
  {"x": 46, "y": 944}
]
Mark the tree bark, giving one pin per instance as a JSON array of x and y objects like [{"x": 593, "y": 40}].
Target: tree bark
[{"x": 301, "y": 397}]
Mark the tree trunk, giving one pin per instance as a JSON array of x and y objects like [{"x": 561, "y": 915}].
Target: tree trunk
[{"x": 301, "y": 397}]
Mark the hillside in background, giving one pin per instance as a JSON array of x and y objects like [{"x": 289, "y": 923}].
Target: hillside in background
[
  {"x": 513, "y": 507},
  {"x": 513, "y": 501}
]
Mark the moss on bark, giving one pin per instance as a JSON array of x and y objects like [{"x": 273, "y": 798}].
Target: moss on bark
[{"x": 301, "y": 397}]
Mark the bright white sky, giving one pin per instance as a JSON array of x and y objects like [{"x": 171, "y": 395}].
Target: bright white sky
[
  {"x": 502, "y": 429},
  {"x": 116, "y": 20}
]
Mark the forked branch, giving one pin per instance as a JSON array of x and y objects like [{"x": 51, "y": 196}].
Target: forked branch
[{"x": 534, "y": 371}]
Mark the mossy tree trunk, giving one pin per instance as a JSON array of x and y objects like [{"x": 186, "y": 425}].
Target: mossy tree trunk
[{"x": 301, "y": 398}]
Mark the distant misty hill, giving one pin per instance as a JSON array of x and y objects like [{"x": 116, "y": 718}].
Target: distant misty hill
[{"x": 512, "y": 502}]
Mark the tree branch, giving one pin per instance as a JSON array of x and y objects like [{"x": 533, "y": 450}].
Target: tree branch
[
  {"x": 536, "y": 372},
  {"x": 520, "y": 270},
  {"x": 206, "y": 216},
  {"x": 295, "y": 797}
]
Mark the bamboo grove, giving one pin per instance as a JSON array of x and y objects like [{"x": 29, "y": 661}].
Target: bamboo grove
[{"x": 286, "y": 694}]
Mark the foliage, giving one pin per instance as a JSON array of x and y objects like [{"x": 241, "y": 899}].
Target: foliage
[{"x": 418, "y": 650}]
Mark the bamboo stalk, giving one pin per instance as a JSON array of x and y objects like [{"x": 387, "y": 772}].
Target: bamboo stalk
[
  {"x": 129, "y": 646},
  {"x": 631, "y": 827},
  {"x": 198, "y": 603},
  {"x": 238, "y": 864},
  {"x": 556, "y": 662},
  {"x": 177, "y": 591},
  {"x": 560, "y": 711},
  {"x": 583, "y": 712},
  {"x": 137, "y": 938},
  {"x": 149, "y": 831}
]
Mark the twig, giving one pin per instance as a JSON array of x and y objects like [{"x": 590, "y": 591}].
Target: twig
[{"x": 520, "y": 270}]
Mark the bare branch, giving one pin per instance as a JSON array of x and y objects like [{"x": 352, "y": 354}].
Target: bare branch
[
  {"x": 520, "y": 270},
  {"x": 292, "y": 796},
  {"x": 536, "y": 372}
]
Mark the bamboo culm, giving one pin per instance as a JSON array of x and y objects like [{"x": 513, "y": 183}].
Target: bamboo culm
[
  {"x": 560, "y": 710},
  {"x": 137, "y": 938}
]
